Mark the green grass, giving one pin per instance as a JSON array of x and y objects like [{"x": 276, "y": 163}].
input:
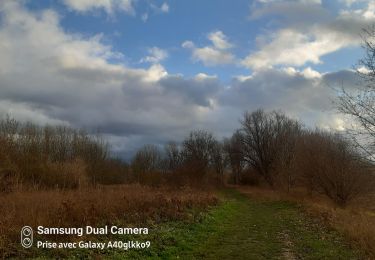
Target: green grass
[
  {"x": 243, "y": 228},
  {"x": 239, "y": 228}
]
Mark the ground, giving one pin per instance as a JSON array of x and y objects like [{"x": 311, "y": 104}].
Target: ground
[
  {"x": 240, "y": 227},
  {"x": 246, "y": 228}
]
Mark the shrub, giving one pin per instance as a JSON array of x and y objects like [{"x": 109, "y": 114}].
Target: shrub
[{"x": 333, "y": 167}]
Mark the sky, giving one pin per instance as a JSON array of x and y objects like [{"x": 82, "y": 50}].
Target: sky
[{"x": 150, "y": 71}]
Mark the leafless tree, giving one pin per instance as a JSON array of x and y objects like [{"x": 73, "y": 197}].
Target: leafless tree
[
  {"x": 218, "y": 160},
  {"x": 263, "y": 140},
  {"x": 146, "y": 160},
  {"x": 288, "y": 137},
  {"x": 333, "y": 167},
  {"x": 55, "y": 155},
  {"x": 197, "y": 151},
  {"x": 234, "y": 154},
  {"x": 173, "y": 156},
  {"x": 360, "y": 104}
]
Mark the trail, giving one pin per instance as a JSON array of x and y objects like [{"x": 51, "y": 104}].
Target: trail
[{"x": 246, "y": 228}]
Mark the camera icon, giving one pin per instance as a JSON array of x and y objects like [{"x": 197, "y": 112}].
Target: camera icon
[{"x": 26, "y": 237}]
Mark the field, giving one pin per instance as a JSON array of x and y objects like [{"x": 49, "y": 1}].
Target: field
[
  {"x": 230, "y": 223},
  {"x": 122, "y": 205},
  {"x": 356, "y": 222}
]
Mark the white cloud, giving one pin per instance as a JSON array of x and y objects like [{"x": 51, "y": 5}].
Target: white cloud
[
  {"x": 109, "y": 6},
  {"x": 204, "y": 76},
  {"x": 309, "y": 73},
  {"x": 156, "y": 55},
  {"x": 306, "y": 39},
  {"x": 188, "y": 44},
  {"x": 211, "y": 56},
  {"x": 164, "y": 8},
  {"x": 215, "y": 54},
  {"x": 155, "y": 73},
  {"x": 219, "y": 40},
  {"x": 369, "y": 13},
  {"x": 144, "y": 17},
  {"x": 291, "y": 47}
]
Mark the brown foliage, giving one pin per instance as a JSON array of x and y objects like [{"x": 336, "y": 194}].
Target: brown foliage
[
  {"x": 330, "y": 165},
  {"x": 199, "y": 161},
  {"x": 49, "y": 157},
  {"x": 128, "y": 204}
]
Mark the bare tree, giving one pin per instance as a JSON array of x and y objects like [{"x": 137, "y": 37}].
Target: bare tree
[
  {"x": 53, "y": 156},
  {"x": 173, "y": 156},
  {"x": 360, "y": 104},
  {"x": 263, "y": 140},
  {"x": 197, "y": 151},
  {"x": 288, "y": 137},
  {"x": 218, "y": 160},
  {"x": 146, "y": 160},
  {"x": 234, "y": 153},
  {"x": 332, "y": 166}
]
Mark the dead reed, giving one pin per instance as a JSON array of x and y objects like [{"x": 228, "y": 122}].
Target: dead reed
[{"x": 104, "y": 205}]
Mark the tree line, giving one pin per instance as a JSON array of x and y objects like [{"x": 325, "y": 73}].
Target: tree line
[
  {"x": 54, "y": 157},
  {"x": 270, "y": 148}
]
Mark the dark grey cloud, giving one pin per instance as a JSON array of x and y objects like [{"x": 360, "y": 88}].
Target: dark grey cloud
[
  {"x": 342, "y": 78},
  {"x": 291, "y": 11},
  {"x": 198, "y": 90},
  {"x": 305, "y": 94}
]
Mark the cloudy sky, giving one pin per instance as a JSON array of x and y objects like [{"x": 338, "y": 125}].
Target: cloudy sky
[{"x": 149, "y": 71}]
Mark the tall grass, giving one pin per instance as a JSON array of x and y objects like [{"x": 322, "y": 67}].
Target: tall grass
[
  {"x": 124, "y": 205},
  {"x": 356, "y": 221}
]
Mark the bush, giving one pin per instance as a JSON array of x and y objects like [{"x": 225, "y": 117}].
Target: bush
[
  {"x": 57, "y": 156},
  {"x": 331, "y": 165}
]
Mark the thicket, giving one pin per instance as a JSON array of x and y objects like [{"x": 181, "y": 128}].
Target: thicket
[
  {"x": 54, "y": 157},
  {"x": 269, "y": 147}
]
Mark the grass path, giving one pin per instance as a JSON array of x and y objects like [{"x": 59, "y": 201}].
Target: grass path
[
  {"x": 244, "y": 228},
  {"x": 250, "y": 229}
]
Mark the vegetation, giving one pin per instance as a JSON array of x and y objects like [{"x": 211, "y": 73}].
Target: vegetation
[
  {"x": 123, "y": 205},
  {"x": 359, "y": 104},
  {"x": 239, "y": 227},
  {"x": 60, "y": 175},
  {"x": 243, "y": 228},
  {"x": 269, "y": 146},
  {"x": 356, "y": 222},
  {"x": 54, "y": 157}
]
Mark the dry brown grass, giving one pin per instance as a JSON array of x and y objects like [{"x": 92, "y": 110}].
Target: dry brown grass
[
  {"x": 127, "y": 204},
  {"x": 356, "y": 221}
]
